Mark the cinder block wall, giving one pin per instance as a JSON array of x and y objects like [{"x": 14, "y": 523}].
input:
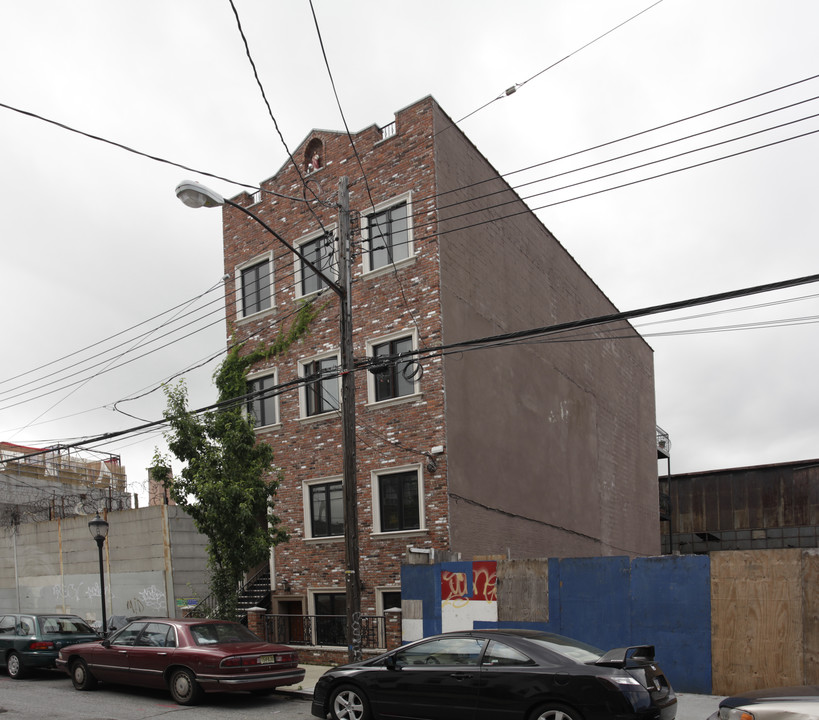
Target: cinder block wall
[{"x": 153, "y": 557}]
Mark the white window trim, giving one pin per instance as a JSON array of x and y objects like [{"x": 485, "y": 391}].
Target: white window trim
[
  {"x": 366, "y": 268},
  {"x": 297, "y": 261},
  {"x": 311, "y": 604},
  {"x": 308, "y": 524},
  {"x": 416, "y": 392},
  {"x": 303, "y": 390},
  {"x": 268, "y": 256},
  {"x": 379, "y": 597},
  {"x": 375, "y": 477},
  {"x": 263, "y": 374}
]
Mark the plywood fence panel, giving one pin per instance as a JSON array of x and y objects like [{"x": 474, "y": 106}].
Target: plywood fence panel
[
  {"x": 756, "y": 603},
  {"x": 523, "y": 591},
  {"x": 810, "y": 615}
]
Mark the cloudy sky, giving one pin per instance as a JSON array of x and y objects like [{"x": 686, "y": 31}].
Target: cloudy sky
[{"x": 110, "y": 286}]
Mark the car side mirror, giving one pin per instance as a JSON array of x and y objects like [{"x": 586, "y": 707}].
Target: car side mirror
[
  {"x": 391, "y": 663},
  {"x": 106, "y": 643}
]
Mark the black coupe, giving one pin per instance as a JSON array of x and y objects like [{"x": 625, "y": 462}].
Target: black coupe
[{"x": 498, "y": 675}]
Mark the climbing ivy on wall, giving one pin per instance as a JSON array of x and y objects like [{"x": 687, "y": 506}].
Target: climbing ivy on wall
[{"x": 224, "y": 484}]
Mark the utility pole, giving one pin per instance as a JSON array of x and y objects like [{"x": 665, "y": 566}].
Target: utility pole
[
  {"x": 195, "y": 195},
  {"x": 350, "y": 484}
]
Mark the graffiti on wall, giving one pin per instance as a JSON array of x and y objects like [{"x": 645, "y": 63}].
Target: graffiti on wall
[
  {"x": 464, "y": 602},
  {"x": 81, "y": 594},
  {"x": 150, "y": 597}
]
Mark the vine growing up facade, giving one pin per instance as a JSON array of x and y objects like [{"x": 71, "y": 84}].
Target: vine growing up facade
[{"x": 225, "y": 483}]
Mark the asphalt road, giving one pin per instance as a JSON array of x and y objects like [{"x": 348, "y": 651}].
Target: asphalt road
[{"x": 49, "y": 695}]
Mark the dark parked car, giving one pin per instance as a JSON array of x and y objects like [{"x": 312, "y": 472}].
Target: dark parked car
[
  {"x": 188, "y": 657},
  {"x": 115, "y": 622},
  {"x": 784, "y": 703},
  {"x": 498, "y": 675},
  {"x": 32, "y": 640}
]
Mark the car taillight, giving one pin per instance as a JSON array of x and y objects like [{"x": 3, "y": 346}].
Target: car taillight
[
  {"x": 239, "y": 661},
  {"x": 248, "y": 660},
  {"x": 41, "y": 645}
]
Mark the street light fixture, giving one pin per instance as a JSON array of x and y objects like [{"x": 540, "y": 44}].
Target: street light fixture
[
  {"x": 196, "y": 195},
  {"x": 99, "y": 531}
]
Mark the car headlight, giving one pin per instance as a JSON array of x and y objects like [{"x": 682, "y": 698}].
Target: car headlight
[{"x": 734, "y": 714}]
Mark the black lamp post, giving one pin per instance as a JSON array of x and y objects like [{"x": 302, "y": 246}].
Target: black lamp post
[{"x": 99, "y": 531}]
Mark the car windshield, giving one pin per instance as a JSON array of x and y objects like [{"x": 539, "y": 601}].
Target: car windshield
[
  {"x": 65, "y": 626},
  {"x": 574, "y": 649},
  {"x": 218, "y": 633}
]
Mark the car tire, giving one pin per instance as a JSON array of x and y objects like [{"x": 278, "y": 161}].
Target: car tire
[
  {"x": 184, "y": 688},
  {"x": 81, "y": 677},
  {"x": 15, "y": 667},
  {"x": 555, "y": 712},
  {"x": 347, "y": 702}
]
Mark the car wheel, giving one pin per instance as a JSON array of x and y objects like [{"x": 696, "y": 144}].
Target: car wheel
[
  {"x": 81, "y": 676},
  {"x": 15, "y": 666},
  {"x": 349, "y": 703},
  {"x": 555, "y": 712},
  {"x": 184, "y": 688}
]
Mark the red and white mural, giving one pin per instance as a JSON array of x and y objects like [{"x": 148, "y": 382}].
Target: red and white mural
[{"x": 460, "y": 608}]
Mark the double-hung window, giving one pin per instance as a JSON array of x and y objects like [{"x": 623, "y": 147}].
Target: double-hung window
[
  {"x": 388, "y": 238},
  {"x": 262, "y": 404},
  {"x": 256, "y": 291},
  {"x": 394, "y": 378},
  {"x": 321, "y": 389},
  {"x": 399, "y": 501},
  {"x": 326, "y": 504},
  {"x": 319, "y": 251}
]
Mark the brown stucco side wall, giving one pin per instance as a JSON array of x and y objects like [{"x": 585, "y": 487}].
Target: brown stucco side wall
[{"x": 566, "y": 464}]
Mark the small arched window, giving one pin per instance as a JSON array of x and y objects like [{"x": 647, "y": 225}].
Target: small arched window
[{"x": 314, "y": 155}]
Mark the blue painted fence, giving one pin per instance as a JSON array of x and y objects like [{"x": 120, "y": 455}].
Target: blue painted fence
[{"x": 610, "y": 602}]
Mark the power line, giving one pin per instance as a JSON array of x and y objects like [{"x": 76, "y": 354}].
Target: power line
[
  {"x": 467, "y": 345},
  {"x": 514, "y": 88}
]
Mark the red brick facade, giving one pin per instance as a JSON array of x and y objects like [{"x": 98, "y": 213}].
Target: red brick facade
[
  {"x": 433, "y": 297},
  {"x": 385, "y": 302}
]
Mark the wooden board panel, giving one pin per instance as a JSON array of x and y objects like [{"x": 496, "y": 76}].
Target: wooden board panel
[
  {"x": 523, "y": 590},
  {"x": 810, "y": 614},
  {"x": 756, "y": 632}
]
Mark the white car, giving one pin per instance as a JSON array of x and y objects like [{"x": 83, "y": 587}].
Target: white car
[{"x": 785, "y": 703}]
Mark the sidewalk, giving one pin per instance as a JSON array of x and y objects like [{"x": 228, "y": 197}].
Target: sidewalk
[
  {"x": 689, "y": 706},
  {"x": 305, "y": 688}
]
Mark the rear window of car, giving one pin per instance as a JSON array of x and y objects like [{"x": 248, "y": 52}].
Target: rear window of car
[
  {"x": 218, "y": 633},
  {"x": 64, "y": 626},
  {"x": 573, "y": 649}
]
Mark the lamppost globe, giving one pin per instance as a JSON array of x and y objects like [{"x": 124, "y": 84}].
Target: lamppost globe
[
  {"x": 196, "y": 195},
  {"x": 98, "y": 528},
  {"x": 99, "y": 531}
]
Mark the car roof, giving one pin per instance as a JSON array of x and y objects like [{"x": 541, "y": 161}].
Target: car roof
[
  {"x": 42, "y": 614},
  {"x": 183, "y": 621}
]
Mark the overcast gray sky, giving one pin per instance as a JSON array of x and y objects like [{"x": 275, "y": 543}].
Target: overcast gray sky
[{"x": 96, "y": 246}]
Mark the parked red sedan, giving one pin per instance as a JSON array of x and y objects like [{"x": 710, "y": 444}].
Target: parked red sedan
[{"x": 189, "y": 657}]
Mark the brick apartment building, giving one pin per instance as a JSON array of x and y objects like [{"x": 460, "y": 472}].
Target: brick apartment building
[{"x": 541, "y": 449}]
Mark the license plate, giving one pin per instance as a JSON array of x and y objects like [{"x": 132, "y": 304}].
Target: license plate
[{"x": 267, "y": 659}]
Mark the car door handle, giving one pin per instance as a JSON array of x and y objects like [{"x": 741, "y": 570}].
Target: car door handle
[
  {"x": 122, "y": 652},
  {"x": 162, "y": 654},
  {"x": 460, "y": 675}
]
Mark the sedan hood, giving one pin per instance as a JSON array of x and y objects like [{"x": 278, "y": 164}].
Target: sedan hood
[{"x": 799, "y": 693}]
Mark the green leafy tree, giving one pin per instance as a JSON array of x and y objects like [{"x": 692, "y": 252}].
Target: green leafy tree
[{"x": 225, "y": 484}]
